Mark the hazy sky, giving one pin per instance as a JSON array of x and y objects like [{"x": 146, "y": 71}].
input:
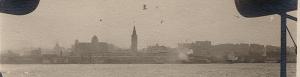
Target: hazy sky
[{"x": 63, "y": 21}]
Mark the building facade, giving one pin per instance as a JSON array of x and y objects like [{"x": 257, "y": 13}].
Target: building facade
[{"x": 93, "y": 48}]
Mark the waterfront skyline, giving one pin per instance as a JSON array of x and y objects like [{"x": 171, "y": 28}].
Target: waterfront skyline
[{"x": 165, "y": 22}]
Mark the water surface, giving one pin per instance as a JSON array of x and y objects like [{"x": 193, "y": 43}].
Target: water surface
[{"x": 145, "y": 70}]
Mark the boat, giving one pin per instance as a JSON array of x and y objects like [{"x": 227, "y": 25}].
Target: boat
[{"x": 231, "y": 58}]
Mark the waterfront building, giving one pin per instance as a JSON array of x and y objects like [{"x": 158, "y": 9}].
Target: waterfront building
[
  {"x": 272, "y": 54},
  {"x": 93, "y": 48},
  {"x": 201, "y": 49},
  {"x": 256, "y": 53}
]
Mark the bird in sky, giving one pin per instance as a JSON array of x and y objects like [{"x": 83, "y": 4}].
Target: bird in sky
[
  {"x": 161, "y": 21},
  {"x": 145, "y": 7},
  {"x": 100, "y": 20}
]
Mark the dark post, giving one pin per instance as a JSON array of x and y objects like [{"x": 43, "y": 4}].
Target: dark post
[{"x": 283, "y": 45}]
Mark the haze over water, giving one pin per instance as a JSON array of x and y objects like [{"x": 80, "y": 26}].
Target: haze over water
[
  {"x": 166, "y": 22},
  {"x": 183, "y": 21}
]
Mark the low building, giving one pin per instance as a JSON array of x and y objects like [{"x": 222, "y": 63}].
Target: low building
[{"x": 93, "y": 48}]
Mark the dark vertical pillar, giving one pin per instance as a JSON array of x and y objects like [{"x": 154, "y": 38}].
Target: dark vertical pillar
[{"x": 283, "y": 45}]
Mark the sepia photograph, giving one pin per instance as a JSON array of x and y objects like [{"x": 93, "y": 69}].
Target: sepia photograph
[{"x": 148, "y": 38}]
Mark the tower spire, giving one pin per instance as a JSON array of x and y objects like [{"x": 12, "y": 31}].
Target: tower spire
[
  {"x": 134, "y": 31},
  {"x": 134, "y": 40}
]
